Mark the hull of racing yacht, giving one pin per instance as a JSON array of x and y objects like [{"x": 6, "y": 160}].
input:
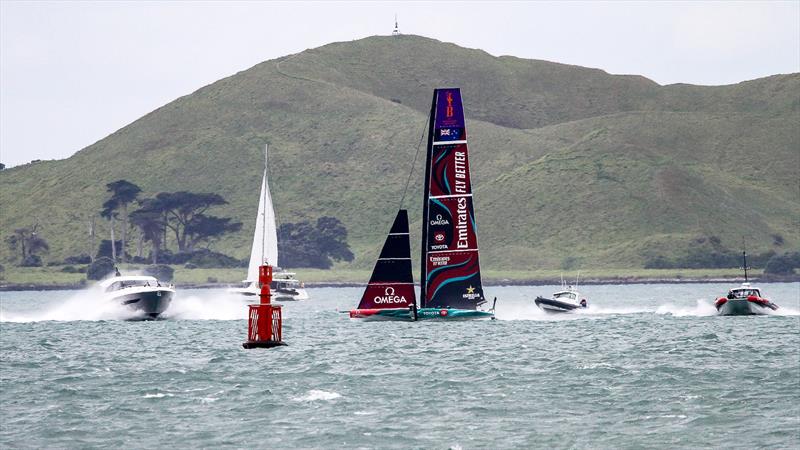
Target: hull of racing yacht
[{"x": 407, "y": 315}]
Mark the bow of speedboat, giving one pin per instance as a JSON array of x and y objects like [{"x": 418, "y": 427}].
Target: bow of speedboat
[{"x": 146, "y": 303}]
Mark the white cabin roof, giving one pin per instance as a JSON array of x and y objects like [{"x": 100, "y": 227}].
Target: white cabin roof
[
  {"x": 746, "y": 286},
  {"x": 109, "y": 281}
]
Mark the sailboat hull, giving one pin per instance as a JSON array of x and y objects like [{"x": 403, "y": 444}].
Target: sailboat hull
[{"x": 405, "y": 314}]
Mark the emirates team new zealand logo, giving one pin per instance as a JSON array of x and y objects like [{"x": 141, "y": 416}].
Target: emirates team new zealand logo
[{"x": 448, "y": 112}]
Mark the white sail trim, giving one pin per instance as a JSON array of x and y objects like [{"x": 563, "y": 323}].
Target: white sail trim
[
  {"x": 449, "y": 142},
  {"x": 450, "y": 196}
]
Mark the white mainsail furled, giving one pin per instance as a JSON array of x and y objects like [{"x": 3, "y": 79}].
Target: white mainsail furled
[{"x": 265, "y": 237}]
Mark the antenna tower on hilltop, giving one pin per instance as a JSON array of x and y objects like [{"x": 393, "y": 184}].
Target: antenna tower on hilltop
[{"x": 396, "y": 31}]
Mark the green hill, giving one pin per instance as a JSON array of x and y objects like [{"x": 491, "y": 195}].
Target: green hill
[{"x": 572, "y": 167}]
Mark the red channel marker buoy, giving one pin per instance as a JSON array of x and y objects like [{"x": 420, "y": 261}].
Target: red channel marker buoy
[{"x": 264, "y": 321}]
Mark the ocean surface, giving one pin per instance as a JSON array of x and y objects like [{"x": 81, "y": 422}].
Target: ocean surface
[{"x": 645, "y": 366}]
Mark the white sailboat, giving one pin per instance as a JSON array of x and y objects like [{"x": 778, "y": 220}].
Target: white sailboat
[{"x": 285, "y": 287}]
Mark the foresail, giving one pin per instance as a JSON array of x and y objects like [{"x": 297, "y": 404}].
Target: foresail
[
  {"x": 450, "y": 268},
  {"x": 265, "y": 236},
  {"x": 392, "y": 284}
]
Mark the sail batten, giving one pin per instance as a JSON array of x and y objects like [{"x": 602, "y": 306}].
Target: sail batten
[{"x": 450, "y": 265}]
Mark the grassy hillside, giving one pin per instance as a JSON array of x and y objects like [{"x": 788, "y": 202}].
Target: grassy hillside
[{"x": 571, "y": 166}]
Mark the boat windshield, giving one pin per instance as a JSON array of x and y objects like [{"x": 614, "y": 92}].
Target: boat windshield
[
  {"x": 117, "y": 285},
  {"x": 744, "y": 293},
  {"x": 569, "y": 295}
]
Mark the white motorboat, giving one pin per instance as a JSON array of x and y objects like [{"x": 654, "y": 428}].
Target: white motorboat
[
  {"x": 143, "y": 294},
  {"x": 566, "y": 300},
  {"x": 284, "y": 286}
]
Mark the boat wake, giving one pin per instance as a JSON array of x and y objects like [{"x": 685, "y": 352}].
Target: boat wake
[
  {"x": 783, "y": 311},
  {"x": 87, "y": 305},
  {"x": 700, "y": 309},
  {"x": 90, "y": 305},
  {"x": 219, "y": 307}
]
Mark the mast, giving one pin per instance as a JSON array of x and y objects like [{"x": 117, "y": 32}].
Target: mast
[
  {"x": 744, "y": 258},
  {"x": 264, "y": 189},
  {"x": 425, "y": 220}
]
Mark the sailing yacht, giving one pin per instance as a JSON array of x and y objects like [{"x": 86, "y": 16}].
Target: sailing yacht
[
  {"x": 284, "y": 286},
  {"x": 450, "y": 281}
]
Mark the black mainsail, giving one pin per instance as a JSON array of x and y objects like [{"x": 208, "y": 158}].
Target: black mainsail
[{"x": 451, "y": 276}]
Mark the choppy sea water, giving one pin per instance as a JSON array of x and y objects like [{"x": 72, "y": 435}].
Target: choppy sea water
[{"x": 645, "y": 366}]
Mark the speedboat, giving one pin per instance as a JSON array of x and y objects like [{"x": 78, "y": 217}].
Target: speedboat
[
  {"x": 284, "y": 288},
  {"x": 565, "y": 300},
  {"x": 742, "y": 301},
  {"x": 143, "y": 294}
]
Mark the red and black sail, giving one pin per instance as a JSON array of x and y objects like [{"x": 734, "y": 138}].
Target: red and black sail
[
  {"x": 392, "y": 284},
  {"x": 451, "y": 275}
]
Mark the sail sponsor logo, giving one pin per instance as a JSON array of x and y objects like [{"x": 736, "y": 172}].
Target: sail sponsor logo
[
  {"x": 449, "y": 111},
  {"x": 439, "y": 260},
  {"x": 439, "y": 220},
  {"x": 389, "y": 297},
  {"x": 462, "y": 227},
  {"x": 460, "y": 158},
  {"x": 438, "y": 237},
  {"x": 471, "y": 294}
]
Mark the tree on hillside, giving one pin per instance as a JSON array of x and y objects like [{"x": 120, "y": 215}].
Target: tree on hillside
[
  {"x": 149, "y": 219},
  {"x": 123, "y": 193},
  {"x": 184, "y": 213},
  {"x": 29, "y": 243},
  {"x": 109, "y": 212},
  {"x": 203, "y": 228},
  {"x": 184, "y": 209},
  {"x": 305, "y": 245},
  {"x": 331, "y": 238}
]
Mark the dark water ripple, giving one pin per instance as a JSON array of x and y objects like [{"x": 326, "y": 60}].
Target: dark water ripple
[{"x": 629, "y": 377}]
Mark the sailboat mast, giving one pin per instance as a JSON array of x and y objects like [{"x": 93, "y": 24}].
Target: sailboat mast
[
  {"x": 264, "y": 212},
  {"x": 425, "y": 193}
]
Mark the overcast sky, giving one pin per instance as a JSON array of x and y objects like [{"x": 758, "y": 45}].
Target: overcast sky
[{"x": 73, "y": 72}]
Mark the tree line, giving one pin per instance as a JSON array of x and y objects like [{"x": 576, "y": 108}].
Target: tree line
[{"x": 184, "y": 220}]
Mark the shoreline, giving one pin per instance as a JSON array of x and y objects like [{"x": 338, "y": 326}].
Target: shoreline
[{"x": 9, "y": 287}]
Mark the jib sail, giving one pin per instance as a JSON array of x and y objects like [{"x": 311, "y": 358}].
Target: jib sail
[
  {"x": 451, "y": 275},
  {"x": 391, "y": 284}
]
